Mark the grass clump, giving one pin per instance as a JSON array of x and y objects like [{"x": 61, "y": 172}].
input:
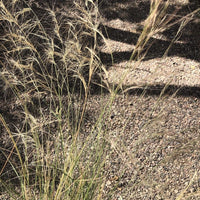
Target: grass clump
[
  {"x": 46, "y": 70},
  {"x": 48, "y": 63}
]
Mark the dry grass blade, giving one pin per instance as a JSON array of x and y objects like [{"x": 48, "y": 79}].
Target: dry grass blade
[
  {"x": 43, "y": 67},
  {"x": 181, "y": 195}
]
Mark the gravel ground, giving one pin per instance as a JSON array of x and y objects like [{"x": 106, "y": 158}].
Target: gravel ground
[
  {"x": 154, "y": 146},
  {"x": 123, "y": 24},
  {"x": 154, "y": 140},
  {"x": 170, "y": 70}
]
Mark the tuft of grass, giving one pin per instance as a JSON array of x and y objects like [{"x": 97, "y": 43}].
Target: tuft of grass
[
  {"x": 46, "y": 74},
  {"x": 48, "y": 62}
]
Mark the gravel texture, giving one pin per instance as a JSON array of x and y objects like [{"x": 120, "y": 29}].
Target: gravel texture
[
  {"x": 154, "y": 146},
  {"x": 154, "y": 138}
]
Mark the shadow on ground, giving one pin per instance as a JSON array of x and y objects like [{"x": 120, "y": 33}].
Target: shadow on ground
[
  {"x": 133, "y": 12},
  {"x": 188, "y": 44},
  {"x": 185, "y": 91}
]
